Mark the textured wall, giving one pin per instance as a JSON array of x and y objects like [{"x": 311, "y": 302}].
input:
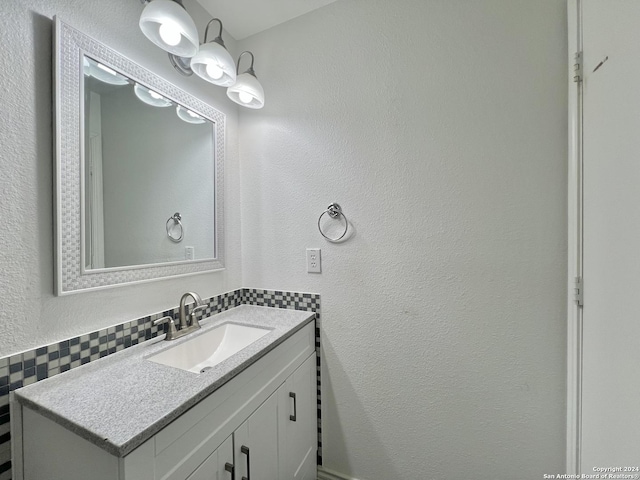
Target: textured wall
[
  {"x": 31, "y": 315},
  {"x": 440, "y": 127}
]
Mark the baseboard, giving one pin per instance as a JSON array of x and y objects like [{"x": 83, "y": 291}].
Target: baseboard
[{"x": 326, "y": 474}]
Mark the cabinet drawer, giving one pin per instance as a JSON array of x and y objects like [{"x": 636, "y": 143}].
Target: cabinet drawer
[{"x": 187, "y": 442}]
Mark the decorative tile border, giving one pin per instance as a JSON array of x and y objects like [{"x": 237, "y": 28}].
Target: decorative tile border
[{"x": 34, "y": 365}]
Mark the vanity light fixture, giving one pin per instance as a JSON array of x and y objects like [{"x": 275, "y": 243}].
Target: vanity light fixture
[
  {"x": 167, "y": 24},
  {"x": 213, "y": 62},
  {"x": 150, "y": 97},
  {"x": 188, "y": 116},
  {"x": 247, "y": 90}
]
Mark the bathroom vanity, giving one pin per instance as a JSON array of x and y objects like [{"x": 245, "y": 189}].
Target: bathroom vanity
[{"x": 252, "y": 416}]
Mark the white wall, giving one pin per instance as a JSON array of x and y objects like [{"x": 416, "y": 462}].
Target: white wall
[
  {"x": 440, "y": 127},
  {"x": 31, "y": 315}
]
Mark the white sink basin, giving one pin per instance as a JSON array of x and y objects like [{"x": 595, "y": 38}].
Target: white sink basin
[{"x": 210, "y": 348}]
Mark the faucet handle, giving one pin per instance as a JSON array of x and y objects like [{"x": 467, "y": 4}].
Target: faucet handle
[
  {"x": 171, "y": 331},
  {"x": 162, "y": 320},
  {"x": 192, "y": 316}
]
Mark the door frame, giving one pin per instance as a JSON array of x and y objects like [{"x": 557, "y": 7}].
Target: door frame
[{"x": 574, "y": 238}]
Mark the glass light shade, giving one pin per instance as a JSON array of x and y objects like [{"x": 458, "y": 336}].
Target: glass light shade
[
  {"x": 247, "y": 91},
  {"x": 105, "y": 74},
  {"x": 150, "y": 97},
  {"x": 214, "y": 64},
  {"x": 189, "y": 116},
  {"x": 170, "y": 27}
]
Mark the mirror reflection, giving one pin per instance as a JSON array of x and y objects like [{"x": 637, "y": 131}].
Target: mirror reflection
[{"x": 149, "y": 175}]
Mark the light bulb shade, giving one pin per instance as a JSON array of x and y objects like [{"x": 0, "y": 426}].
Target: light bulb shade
[
  {"x": 105, "y": 74},
  {"x": 214, "y": 57},
  {"x": 170, "y": 27},
  {"x": 189, "y": 116},
  {"x": 150, "y": 97},
  {"x": 247, "y": 91}
]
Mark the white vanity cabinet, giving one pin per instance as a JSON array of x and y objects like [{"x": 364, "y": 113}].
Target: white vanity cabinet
[
  {"x": 260, "y": 425},
  {"x": 277, "y": 441},
  {"x": 298, "y": 425}
]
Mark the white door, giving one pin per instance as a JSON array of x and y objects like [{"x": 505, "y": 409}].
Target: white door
[
  {"x": 255, "y": 443},
  {"x": 298, "y": 420},
  {"x": 611, "y": 322}
]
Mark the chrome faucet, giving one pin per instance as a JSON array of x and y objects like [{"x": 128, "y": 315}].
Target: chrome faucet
[
  {"x": 186, "y": 323},
  {"x": 190, "y": 321}
]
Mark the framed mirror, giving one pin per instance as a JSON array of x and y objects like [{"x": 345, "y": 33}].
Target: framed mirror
[{"x": 139, "y": 171}]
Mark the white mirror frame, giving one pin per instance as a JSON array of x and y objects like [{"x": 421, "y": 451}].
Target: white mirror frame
[{"x": 70, "y": 47}]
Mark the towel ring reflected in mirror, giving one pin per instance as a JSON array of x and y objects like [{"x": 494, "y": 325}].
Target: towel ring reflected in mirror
[{"x": 175, "y": 221}]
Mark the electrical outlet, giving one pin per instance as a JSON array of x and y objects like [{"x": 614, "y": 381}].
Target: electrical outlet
[
  {"x": 189, "y": 253},
  {"x": 313, "y": 260}
]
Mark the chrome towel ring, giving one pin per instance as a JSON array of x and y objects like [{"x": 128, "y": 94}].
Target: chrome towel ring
[
  {"x": 334, "y": 211},
  {"x": 176, "y": 219}
]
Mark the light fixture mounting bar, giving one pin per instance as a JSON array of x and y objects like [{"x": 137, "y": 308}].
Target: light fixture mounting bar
[{"x": 181, "y": 64}]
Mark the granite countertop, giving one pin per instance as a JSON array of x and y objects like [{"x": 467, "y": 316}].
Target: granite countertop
[{"x": 122, "y": 400}]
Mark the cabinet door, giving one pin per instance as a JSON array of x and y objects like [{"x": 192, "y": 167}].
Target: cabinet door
[
  {"x": 256, "y": 444},
  {"x": 298, "y": 423},
  {"x": 218, "y": 466}
]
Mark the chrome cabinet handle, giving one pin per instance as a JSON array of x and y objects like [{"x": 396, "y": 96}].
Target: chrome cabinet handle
[
  {"x": 295, "y": 407},
  {"x": 244, "y": 449},
  {"x": 231, "y": 469}
]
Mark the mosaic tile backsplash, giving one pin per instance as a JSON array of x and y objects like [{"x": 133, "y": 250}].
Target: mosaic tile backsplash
[{"x": 35, "y": 365}]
